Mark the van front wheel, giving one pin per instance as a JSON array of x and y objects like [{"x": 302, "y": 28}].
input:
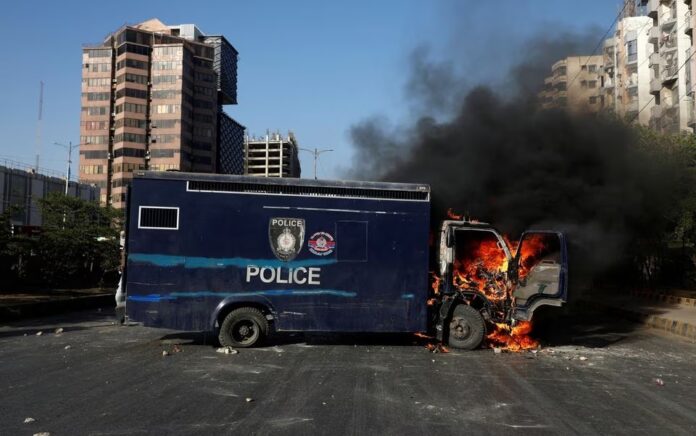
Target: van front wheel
[
  {"x": 243, "y": 328},
  {"x": 466, "y": 328}
]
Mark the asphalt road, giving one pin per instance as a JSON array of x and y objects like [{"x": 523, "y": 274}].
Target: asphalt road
[{"x": 595, "y": 378}]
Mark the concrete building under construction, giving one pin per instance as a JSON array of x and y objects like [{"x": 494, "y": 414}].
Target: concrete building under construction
[{"x": 271, "y": 155}]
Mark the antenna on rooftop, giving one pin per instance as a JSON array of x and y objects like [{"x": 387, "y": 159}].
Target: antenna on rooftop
[{"x": 38, "y": 126}]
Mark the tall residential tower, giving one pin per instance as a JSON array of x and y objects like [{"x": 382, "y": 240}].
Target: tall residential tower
[{"x": 152, "y": 98}]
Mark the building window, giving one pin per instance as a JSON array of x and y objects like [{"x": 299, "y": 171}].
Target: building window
[
  {"x": 129, "y": 152},
  {"x": 92, "y": 169},
  {"x": 99, "y": 53},
  {"x": 131, "y": 63},
  {"x": 162, "y": 153},
  {"x": 166, "y": 109},
  {"x": 592, "y": 68},
  {"x": 592, "y": 83},
  {"x": 593, "y": 100},
  {"x": 632, "y": 50}
]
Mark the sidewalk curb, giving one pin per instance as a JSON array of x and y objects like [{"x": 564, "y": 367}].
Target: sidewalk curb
[
  {"x": 679, "y": 328},
  {"x": 55, "y": 307},
  {"x": 665, "y": 298}
]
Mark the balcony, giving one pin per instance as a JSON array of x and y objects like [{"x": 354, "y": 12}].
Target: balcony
[
  {"x": 656, "y": 112},
  {"x": 654, "y": 35},
  {"x": 653, "y": 8},
  {"x": 689, "y": 22},
  {"x": 690, "y": 115},
  {"x": 668, "y": 41},
  {"x": 655, "y": 59},
  {"x": 669, "y": 73},
  {"x": 655, "y": 86}
]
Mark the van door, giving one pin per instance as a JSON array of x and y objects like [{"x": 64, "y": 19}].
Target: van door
[{"x": 540, "y": 272}]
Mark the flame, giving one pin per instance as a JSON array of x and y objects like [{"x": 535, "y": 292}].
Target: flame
[
  {"x": 435, "y": 284},
  {"x": 452, "y": 215},
  {"x": 532, "y": 249},
  {"x": 512, "y": 338},
  {"x": 482, "y": 267}
]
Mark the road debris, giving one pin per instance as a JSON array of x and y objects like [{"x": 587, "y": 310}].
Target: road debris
[
  {"x": 29, "y": 420},
  {"x": 39, "y": 333},
  {"x": 436, "y": 348},
  {"x": 165, "y": 353},
  {"x": 67, "y": 347},
  {"x": 583, "y": 358},
  {"x": 249, "y": 399},
  {"x": 177, "y": 349},
  {"x": 43, "y": 433},
  {"x": 658, "y": 381},
  {"x": 497, "y": 350},
  {"x": 59, "y": 330},
  {"x": 226, "y": 350}
]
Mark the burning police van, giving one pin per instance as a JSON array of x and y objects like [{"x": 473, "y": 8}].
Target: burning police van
[{"x": 245, "y": 257}]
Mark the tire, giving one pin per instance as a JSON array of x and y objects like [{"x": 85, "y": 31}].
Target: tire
[
  {"x": 466, "y": 328},
  {"x": 243, "y": 328}
]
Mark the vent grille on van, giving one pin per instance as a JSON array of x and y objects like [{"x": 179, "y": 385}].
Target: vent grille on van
[
  {"x": 319, "y": 191},
  {"x": 158, "y": 218}
]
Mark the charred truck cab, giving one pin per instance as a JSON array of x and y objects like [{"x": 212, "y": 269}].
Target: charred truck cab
[
  {"x": 481, "y": 282},
  {"x": 245, "y": 257}
]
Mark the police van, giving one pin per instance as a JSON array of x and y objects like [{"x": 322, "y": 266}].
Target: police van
[{"x": 245, "y": 257}]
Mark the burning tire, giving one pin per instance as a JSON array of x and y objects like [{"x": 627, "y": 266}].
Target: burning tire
[
  {"x": 466, "y": 328},
  {"x": 243, "y": 328}
]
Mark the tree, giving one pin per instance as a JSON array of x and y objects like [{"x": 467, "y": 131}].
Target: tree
[{"x": 79, "y": 242}]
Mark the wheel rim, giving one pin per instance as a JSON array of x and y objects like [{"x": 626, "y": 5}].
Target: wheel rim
[
  {"x": 245, "y": 332},
  {"x": 460, "y": 329}
]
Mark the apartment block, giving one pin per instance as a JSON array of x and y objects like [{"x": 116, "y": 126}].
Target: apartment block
[
  {"x": 152, "y": 99},
  {"x": 626, "y": 72},
  {"x": 671, "y": 64},
  {"x": 272, "y": 156},
  {"x": 575, "y": 84}
]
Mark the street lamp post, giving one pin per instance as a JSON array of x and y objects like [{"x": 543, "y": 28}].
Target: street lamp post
[
  {"x": 69, "y": 147},
  {"x": 316, "y": 152}
]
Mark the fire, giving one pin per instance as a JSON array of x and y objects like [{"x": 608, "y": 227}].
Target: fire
[
  {"x": 533, "y": 247},
  {"x": 481, "y": 265},
  {"x": 512, "y": 338},
  {"x": 452, "y": 215},
  {"x": 435, "y": 285}
]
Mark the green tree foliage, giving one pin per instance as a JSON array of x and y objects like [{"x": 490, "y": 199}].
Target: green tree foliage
[{"x": 78, "y": 244}]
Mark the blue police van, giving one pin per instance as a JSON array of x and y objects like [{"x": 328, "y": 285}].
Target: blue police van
[{"x": 247, "y": 256}]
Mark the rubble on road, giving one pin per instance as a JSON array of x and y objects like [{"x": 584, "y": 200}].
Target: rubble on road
[
  {"x": 39, "y": 333},
  {"x": 67, "y": 347},
  {"x": 59, "y": 330},
  {"x": 658, "y": 381},
  {"x": 29, "y": 420},
  {"x": 249, "y": 399},
  {"x": 165, "y": 353},
  {"x": 226, "y": 350},
  {"x": 43, "y": 433}
]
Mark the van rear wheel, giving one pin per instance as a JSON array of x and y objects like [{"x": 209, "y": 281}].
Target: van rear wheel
[
  {"x": 243, "y": 328},
  {"x": 466, "y": 328}
]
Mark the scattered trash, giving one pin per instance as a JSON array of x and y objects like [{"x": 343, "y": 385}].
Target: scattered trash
[
  {"x": 165, "y": 353},
  {"x": 497, "y": 350},
  {"x": 249, "y": 399},
  {"x": 227, "y": 350},
  {"x": 28, "y": 420},
  {"x": 59, "y": 330},
  {"x": 67, "y": 347},
  {"x": 436, "y": 348},
  {"x": 323, "y": 403},
  {"x": 659, "y": 382},
  {"x": 535, "y": 351},
  {"x": 583, "y": 358},
  {"x": 39, "y": 333},
  {"x": 43, "y": 433},
  {"x": 177, "y": 349}
]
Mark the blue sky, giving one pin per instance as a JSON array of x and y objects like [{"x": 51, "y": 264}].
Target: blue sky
[{"x": 313, "y": 67}]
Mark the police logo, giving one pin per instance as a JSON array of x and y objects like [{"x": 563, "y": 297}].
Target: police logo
[
  {"x": 321, "y": 244},
  {"x": 286, "y": 236}
]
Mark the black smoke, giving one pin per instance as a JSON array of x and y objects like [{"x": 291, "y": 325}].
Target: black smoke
[{"x": 500, "y": 158}]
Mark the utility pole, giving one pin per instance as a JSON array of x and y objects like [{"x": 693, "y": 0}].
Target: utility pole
[
  {"x": 316, "y": 152},
  {"x": 39, "y": 127},
  {"x": 69, "y": 147}
]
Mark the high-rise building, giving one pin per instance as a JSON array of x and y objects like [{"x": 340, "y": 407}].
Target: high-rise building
[
  {"x": 671, "y": 85},
  {"x": 626, "y": 79},
  {"x": 272, "y": 156},
  {"x": 575, "y": 84},
  {"x": 152, "y": 98}
]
